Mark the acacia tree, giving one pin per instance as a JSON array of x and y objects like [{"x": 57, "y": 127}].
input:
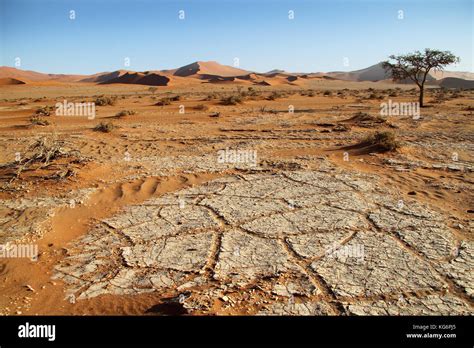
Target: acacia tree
[{"x": 416, "y": 66}]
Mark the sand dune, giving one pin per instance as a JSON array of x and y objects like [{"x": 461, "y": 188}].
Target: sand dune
[
  {"x": 6, "y": 71},
  {"x": 465, "y": 75},
  {"x": 373, "y": 73},
  {"x": 203, "y": 69},
  {"x": 150, "y": 79},
  {"x": 453, "y": 82},
  {"x": 105, "y": 76},
  {"x": 9, "y": 81},
  {"x": 213, "y": 72},
  {"x": 33, "y": 76}
]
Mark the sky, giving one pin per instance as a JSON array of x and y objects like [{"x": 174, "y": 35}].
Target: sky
[{"x": 140, "y": 35}]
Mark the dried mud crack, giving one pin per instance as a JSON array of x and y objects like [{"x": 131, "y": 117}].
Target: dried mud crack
[{"x": 303, "y": 242}]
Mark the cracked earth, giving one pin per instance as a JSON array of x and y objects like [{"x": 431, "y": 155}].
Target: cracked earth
[
  {"x": 305, "y": 242},
  {"x": 146, "y": 220}
]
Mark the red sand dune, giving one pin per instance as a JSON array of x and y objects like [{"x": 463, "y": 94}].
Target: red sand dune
[
  {"x": 213, "y": 72},
  {"x": 201, "y": 69},
  {"x": 7, "y": 81},
  {"x": 33, "y": 76},
  {"x": 148, "y": 78},
  {"x": 105, "y": 76}
]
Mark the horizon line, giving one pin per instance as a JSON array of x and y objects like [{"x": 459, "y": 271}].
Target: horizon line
[{"x": 210, "y": 61}]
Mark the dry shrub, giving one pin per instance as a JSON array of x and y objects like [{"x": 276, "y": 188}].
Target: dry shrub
[
  {"x": 104, "y": 100},
  {"x": 201, "y": 107},
  {"x": 45, "y": 153},
  {"x": 125, "y": 113},
  {"x": 385, "y": 141},
  {"x": 44, "y": 110},
  {"x": 232, "y": 100},
  {"x": 104, "y": 127},
  {"x": 38, "y": 121}
]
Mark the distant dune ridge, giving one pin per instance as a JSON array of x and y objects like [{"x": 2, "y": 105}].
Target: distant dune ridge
[
  {"x": 10, "y": 81},
  {"x": 454, "y": 82},
  {"x": 203, "y": 69},
  {"x": 213, "y": 72}
]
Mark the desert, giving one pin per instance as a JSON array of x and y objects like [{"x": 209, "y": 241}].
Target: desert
[
  {"x": 235, "y": 198},
  {"x": 237, "y": 158}
]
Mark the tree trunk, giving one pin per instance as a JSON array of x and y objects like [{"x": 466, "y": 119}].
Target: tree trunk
[{"x": 421, "y": 96}]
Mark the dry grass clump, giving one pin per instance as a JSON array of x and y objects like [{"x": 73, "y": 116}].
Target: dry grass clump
[
  {"x": 211, "y": 96},
  {"x": 125, "y": 113},
  {"x": 104, "y": 127},
  {"x": 275, "y": 95},
  {"x": 232, "y": 100},
  {"x": 47, "y": 149},
  {"x": 392, "y": 93},
  {"x": 341, "y": 128},
  {"x": 44, "y": 110},
  {"x": 252, "y": 92},
  {"x": 38, "y": 121},
  {"x": 327, "y": 93},
  {"x": 201, "y": 107},
  {"x": 45, "y": 153},
  {"x": 176, "y": 98},
  {"x": 164, "y": 101},
  {"x": 384, "y": 141},
  {"x": 167, "y": 100},
  {"x": 104, "y": 100},
  {"x": 375, "y": 95}
]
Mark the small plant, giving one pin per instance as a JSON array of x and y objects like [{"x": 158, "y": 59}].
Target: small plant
[
  {"x": 341, "y": 128},
  {"x": 153, "y": 89},
  {"x": 38, "y": 121},
  {"x": 374, "y": 96},
  {"x": 125, "y": 113},
  {"x": 201, "y": 107},
  {"x": 104, "y": 127},
  {"x": 384, "y": 140},
  {"x": 252, "y": 92},
  {"x": 164, "y": 101},
  {"x": 275, "y": 95},
  {"x": 175, "y": 98},
  {"x": 232, "y": 100},
  {"x": 44, "y": 110},
  {"x": 327, "y": 93},
  {"x": 211, "y": 96},
  {"x": 103, "y": 101}
]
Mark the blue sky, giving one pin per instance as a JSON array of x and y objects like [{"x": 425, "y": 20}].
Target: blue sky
[{"x": 323, "y": 35}]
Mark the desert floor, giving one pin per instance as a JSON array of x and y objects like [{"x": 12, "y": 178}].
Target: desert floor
[{"x": 144, "y": 219}]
